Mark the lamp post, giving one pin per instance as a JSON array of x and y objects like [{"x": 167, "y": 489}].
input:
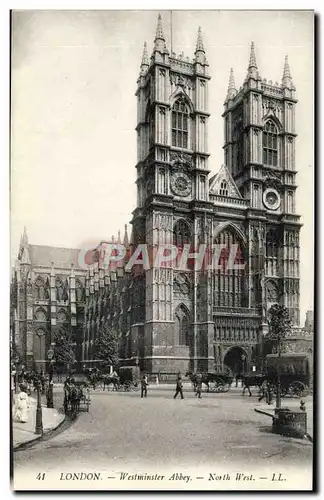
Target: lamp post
[
  {"x": 50, "y": 404},
  {"x": 39, "y": 413},
  {"x": 16, "y": 374}
]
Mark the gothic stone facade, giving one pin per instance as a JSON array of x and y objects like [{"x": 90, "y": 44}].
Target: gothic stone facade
[
  {"x": 171, "y": 319},
  {"x": 46, "y": 299}
]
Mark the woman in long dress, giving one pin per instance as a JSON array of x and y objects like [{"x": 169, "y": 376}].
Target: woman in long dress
[{"x": 20, "y": 409}]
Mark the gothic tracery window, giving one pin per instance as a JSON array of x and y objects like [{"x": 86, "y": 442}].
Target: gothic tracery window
[
  {"x": 59, "y": 290},
  {"x": 229, "y": 280},
  {"x": 181, "y": 234},
  {"x": 40, "y": 289},
  {"x": 182, "y": 327},
  {"x": 270, "y": 144},
  {"x": 180, "y": 124}
]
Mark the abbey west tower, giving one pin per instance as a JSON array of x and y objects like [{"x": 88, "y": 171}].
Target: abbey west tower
[{"x": 202, "y": 320}]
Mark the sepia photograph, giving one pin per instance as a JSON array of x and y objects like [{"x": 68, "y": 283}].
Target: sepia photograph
[{"x": 162, "y": 250}]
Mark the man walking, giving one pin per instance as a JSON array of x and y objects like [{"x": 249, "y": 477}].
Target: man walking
[
  {"x": 144, "y": 384},
  {"x": 199, "y": 385},
  {"x": 179, "y": 388}
]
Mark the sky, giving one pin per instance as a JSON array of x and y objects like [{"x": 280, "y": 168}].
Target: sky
[{"x": 73, "y": 113}]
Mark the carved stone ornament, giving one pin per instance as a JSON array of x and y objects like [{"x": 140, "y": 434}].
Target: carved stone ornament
[
  {"x": 180, "y": 184},
  {"x": 40, "y": 315},
  {"x": 181, "y": 285},
  {"x": 273, "y": 181},
  {"x": 182, "y": 81},
  {"x": 178, "y": 159},
  {"x": 61, "y": 316},
  {"x": 271, "y": 199}
]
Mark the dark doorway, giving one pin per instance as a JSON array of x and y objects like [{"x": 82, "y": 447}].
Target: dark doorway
[{"x": 236, "y": 360}]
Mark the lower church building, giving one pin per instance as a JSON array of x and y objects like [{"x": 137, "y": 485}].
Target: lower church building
[{"x": 174, "y": 318}]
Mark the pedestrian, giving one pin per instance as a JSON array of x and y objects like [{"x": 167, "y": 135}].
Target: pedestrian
[
  {"x": 198, "y": 385},
  {"x": 144, "y": 384},
  {"x": 266, "y": 393},
  {"x": 179, "y": 388},
  {"x": 20, "y": 409}
]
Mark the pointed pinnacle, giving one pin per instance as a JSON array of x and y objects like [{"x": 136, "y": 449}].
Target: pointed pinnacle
[
  {"x": 199, "y": 44},
  {"x": 118, "y": 237},
  {"x": 125, "y": 243},
  {"x": 231, "y": 91},
  {"x": 252, "y": 63},
  {"x": 159, "y": 29},
  {"x": 25, "y": 237},
  {"x": 145, "y": 59},
  {"x": 286, "y": 72}
]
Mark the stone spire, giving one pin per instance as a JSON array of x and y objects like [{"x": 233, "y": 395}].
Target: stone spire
[
  {"x": 25, "y": 237},
  {"x": 286, "y": 77},
  {"x": 199, "y": 44},
  {"x": 231, "y": 91},
  {"x": 24, "y": 251},
  {"x": 125, "y": 242},
  {"x": 200, "y": 55},
  {"x": 159, "y": 30},
  {"x": 159, "y": 40},
  {"x": 252, "y": 71},
  {"x": 145, "y": 60},
  {"x": 118, "y": 237}
]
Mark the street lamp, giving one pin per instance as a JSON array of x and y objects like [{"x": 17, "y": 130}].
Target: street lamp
[
  {"x": 50, "y": 354},
  {"x": 39, "y": 413}
]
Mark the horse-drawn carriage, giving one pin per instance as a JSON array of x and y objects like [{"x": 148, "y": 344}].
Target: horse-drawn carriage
[
  {"x": 293, "y": 372},
  {"x": 77, "y": 394},
  {"x": 215, "y": 382},
  {"x": 129, "y": 378}
]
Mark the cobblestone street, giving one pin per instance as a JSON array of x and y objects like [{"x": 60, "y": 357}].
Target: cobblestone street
[{"x": 123, "y": 430}]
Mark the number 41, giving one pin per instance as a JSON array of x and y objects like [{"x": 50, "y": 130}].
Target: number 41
[{"x": 40, "y": 476}]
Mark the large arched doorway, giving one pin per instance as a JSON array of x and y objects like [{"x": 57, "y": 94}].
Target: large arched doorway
[{"x": 236, "y": 360}]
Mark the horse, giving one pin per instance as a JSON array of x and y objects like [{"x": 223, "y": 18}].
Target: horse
[
  {"x": 252, "y": 381},
  {"x": 196, "y": 378},
  {"x": 106, "y": 380},
  {"x": 72, "y": 396}
]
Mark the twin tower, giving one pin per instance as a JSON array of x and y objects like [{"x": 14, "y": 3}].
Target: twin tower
[{"x": 183, "y": 319}]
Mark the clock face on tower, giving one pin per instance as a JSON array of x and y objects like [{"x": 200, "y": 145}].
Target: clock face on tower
[
  {"x": 180, "y": 184},
  {"x": 271, "y": 199}
]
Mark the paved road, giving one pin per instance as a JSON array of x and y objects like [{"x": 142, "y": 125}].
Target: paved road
[{"x": 124, "y": 431}]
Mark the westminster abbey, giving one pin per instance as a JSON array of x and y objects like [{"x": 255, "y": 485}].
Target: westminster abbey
[{"x": 170, "y": 319}]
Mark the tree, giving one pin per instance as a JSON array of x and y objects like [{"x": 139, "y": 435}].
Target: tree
[
  {"x": 106, "y": 347},
  {"x": 279, "y": 326},
  {"x": 63, "y": 350}
]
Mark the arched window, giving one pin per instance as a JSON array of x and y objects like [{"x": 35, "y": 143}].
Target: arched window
[
  {"x": 181, "y": 234},
  {"x": 79, "y": 290},
  {"x": 59, "y": 290},
  {"x": 180, "y": 123},
  {"x": 40, "y": 289},
  {"x": 271, "y": 244},
  {"x": 182, "y": 327},
  {"x": 223, "y": 190},
  {"x": 270, "y": 144},
  {"x": 229, "y": 280},
  {"x": 271, "y": 292}
]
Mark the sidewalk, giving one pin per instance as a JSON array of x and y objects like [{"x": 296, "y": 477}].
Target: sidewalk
[{"x": 25, "y": 433}]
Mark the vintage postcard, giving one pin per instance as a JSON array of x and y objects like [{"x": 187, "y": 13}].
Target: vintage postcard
[{"x": 161, "y": 301}]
